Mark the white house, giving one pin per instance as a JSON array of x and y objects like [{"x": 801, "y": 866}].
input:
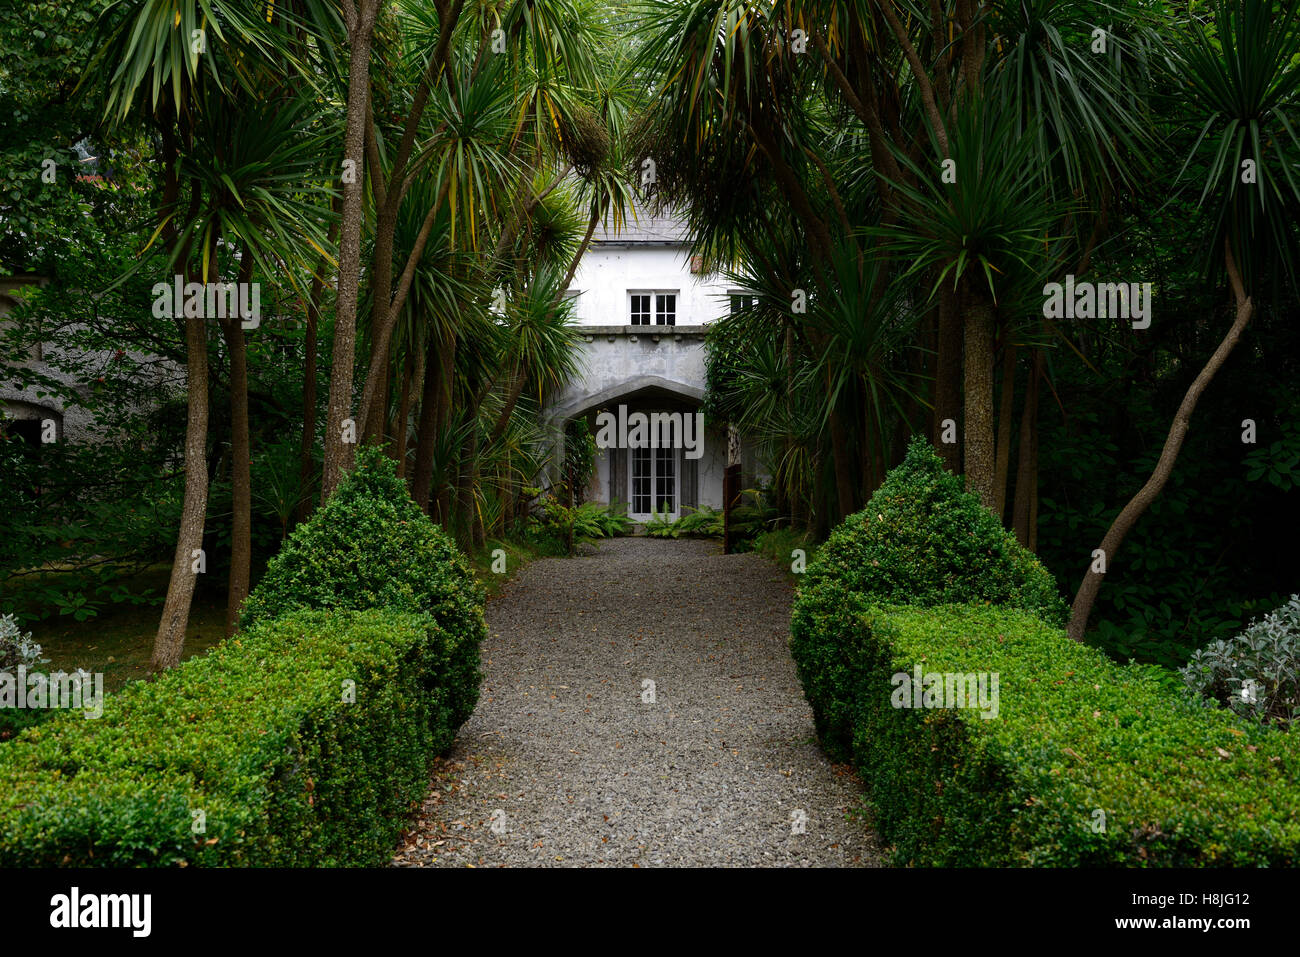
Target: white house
[{"x": 642, "y": 308}]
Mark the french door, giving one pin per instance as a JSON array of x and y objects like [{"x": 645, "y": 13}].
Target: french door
[{"x": 653, "y": 482}]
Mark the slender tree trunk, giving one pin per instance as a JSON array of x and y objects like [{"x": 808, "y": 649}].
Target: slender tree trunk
[
  {"x": 339, "y": 453},
  {"x": 311, "y": 343},
  {"x": 427, "y": 430},
  {"x": 1139, "y": 503},
  {"x": 1005, "y": 415},
  {"x": 402, "y": 393},
  {"x": 448, "y": 358},
  {"x": 592, "y": 221},
  {"x": 842, "y": 460},
  {"x": 947, "y": 378},
  {"x": 463, "y": 523},
  {"x": 170, "y": 639},
  {"x": 1024, "y": 505},
  {"x": 373, "y": 407},
  {"x": 978, "y": 374},
  {"x": 401, "y": 434},
  {"x": 241, "y": 487}
]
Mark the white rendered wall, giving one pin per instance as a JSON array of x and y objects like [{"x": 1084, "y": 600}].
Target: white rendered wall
[{"x": 609, "y": 270}]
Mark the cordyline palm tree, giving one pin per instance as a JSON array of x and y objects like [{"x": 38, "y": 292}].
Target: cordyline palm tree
[
  {"x": 742, "y": 146},
  {"x": 545, "y": 39},
  {"x": 255, "y": 164},
  {"x": 978, "y": 218},
  {"x": 1085, "y": 97},
  {"x": 163, "y": 55},
  {"x": 1241, "y": 72}
]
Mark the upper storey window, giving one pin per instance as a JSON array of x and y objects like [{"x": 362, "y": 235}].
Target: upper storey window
[
  {"x": 657, "y": 307},
  {"x": 742, "y": 300}
]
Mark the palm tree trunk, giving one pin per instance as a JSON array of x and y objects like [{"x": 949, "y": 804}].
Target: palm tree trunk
[
  {"x": 401, "y": 432},
  {"x": 338, "y": 453},
  {"x": 431, "y": 420},
  {"x": 841, "y": 457},
  {"x": 1024, "y": 507},
  {"x": 241, "y": 488},
  {"x": 978, "y": 374},
  {"x": 1005, "y": 414},
  {"x": 170, "y": 639},
  {"x": 1139, "y": 503},
  {"x": 306, "y": 464},
  {"x": 947, "y": 377},
  {"x": 444, "y": 422}
]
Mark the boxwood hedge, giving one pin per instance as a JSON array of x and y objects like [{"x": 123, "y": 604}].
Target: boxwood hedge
[
  {"x": 924, "y": 540},
  {"x": 1088, "y": 763},
  {"x": 371, "y": 546},
  {"x": 921, "y": 540},
  {"x": 303, "y": 741}
]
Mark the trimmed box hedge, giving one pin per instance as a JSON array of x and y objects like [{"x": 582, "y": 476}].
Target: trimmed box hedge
[
  {"x": 303, "y": 742},
  {"x": 1079, "y": 741},
  {"x": 921, "y": 540},
  {"x": 371, "y": 546}
]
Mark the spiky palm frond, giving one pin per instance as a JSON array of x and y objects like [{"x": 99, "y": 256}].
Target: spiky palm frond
[{"x": 1242, "y": 71}]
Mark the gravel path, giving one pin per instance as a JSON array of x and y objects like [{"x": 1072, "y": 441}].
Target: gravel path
[{"x": 564, "y": 763}]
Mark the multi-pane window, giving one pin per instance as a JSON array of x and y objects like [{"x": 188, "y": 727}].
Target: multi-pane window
[
  {"x": 665, "y": 308},
  {"x": 641, "y": 480},
  {"x": 654, "y": 480},
  {"x": 640, "y": 308},
  {"x": 742, "y": 302},
  {"x": 665, "y": 480}
]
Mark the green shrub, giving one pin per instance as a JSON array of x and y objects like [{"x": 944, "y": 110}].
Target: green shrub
[
  {"x": 1087, "y": 763},
  {"x": 263, "y": 735},
  {"x": 370, "y": 546},
  {"x": 921, "y": 540},
  {"x": 1257, "y": 673},
  {"x": 702, "y": 522},
  {"x": 558, "y": 524},
  {"x": 17, "y": 649},
  {"x": 924, "y": 540},
  {"x": 593, "y": 520}
]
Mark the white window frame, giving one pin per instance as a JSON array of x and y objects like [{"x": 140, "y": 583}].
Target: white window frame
[
  {"x": 661, "y": 460},
  {"x": 656, "y": 314}
]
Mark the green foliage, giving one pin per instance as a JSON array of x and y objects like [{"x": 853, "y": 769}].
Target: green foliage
[
  {"x": 579, "y": 457},
  {"x": 923, "y": 539},
  {"x": 754, "y": 515},
  {"x": 660, "y": 525},
  {"x": 780, "y": 544},
  {"x": 303, "y": 742},
  {"x": 1087, "y": 763},
  {"x": 1257, "y": 673},
  {"x": 370, "y": 546},
  {"x": 18, "y": 649},
  {"x": 43, "y": 49},
  {"x": 1277, "y": 463},
  {"x": 1179, "y": 581},
  {"x": 702, "y": 522},
  {"x": 559, "y": 524}
]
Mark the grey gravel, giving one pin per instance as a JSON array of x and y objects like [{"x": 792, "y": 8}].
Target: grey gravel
[{"x": 564, "y": 764}]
